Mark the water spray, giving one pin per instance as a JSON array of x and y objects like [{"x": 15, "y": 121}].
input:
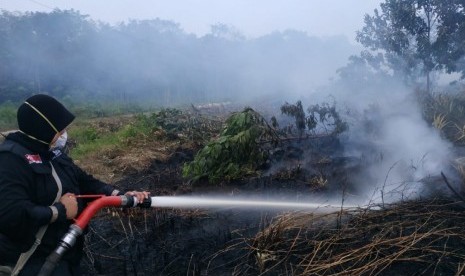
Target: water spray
[
  {"x": 190, "y": 202},
  {"x": 187, "y": 202}
]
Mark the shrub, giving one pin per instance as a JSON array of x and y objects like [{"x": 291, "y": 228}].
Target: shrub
[
  {"x": 324, "y": 116},
  {"x": 236, "y": 153}
]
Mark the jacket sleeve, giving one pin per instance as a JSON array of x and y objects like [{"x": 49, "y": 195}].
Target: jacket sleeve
[{"x": 20, "y": 217}]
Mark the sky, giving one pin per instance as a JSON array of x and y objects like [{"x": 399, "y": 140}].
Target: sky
[{"x": 253, "y": 18}]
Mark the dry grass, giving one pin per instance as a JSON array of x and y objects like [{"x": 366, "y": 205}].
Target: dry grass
[
  {"x": 446, "y": 112},
  {"x": 440, "y": 121},
  {"x": 113, "y": 164},
  {"x": 460, "y": 133},
  {"x": 419, "y": 238}
]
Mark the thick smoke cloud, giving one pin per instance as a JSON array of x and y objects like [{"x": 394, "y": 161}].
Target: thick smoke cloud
[{"x": 399, "y": 152}]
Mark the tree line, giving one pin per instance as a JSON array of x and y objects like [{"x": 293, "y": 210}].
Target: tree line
[{"x": 68, "y": 55}]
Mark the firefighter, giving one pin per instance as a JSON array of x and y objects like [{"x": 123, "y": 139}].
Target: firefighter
[{"x": 38, "y": 188}]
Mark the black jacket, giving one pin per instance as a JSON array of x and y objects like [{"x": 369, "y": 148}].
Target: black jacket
[{"x": 27, "y": 189}]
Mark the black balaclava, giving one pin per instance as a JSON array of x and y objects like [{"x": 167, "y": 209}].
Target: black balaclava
[{"x": 41, "y": 117}]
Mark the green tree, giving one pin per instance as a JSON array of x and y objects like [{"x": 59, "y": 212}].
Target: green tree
[
  {"x": 450, "y": 47},
  {"x": 414, "y": 36}
]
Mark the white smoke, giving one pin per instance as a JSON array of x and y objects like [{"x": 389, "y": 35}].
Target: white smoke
[{"x": 397, "y": 148}]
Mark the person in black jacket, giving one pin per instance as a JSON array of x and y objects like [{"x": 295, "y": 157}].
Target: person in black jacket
[{"x": 29, "y": 197}]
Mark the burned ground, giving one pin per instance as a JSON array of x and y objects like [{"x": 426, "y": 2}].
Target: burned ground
[
  {"x": 414, "y": 237},
  {"x": 173, "y": 242}
]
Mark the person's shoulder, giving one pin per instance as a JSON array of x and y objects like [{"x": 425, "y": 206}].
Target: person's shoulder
[
  {"x": 9, "y": 148},
  {"x": 13, "y": 154},
  {"x": 10, "y": 160},
  {"x": 4, "y": 134}
]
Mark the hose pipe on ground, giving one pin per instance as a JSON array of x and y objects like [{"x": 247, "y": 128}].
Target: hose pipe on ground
[{"x": 76, "y": 229}]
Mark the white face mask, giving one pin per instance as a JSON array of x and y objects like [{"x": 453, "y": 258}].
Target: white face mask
[{"x": 60, "y": 142}]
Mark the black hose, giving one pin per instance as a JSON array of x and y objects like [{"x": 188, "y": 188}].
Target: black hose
[
  {"x": 66, "y": 243},
  {"x": 50, "y": 264},
  {"x": 69, "y": 239}
]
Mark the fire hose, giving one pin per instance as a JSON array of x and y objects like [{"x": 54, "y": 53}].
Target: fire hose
[{"x": 76, "y": 229}]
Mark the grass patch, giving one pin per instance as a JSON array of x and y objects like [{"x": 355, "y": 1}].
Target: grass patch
[
  {"x": 100, "y": 109},
  {"x": 8, "y": 116},
  {"x": 90, "y": 136},
  {"x": 85, "y": 146}
]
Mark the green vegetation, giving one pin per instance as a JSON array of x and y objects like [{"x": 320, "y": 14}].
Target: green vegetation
[
  {"x": 245, "y": 142},
  {"x": 324, "y": 115},
  {"x": 8, "y": 116},
  {"x": 297, "y": 111},
  {"x": 97, "y": 110},
  {"x": 411, "y": 40},
  {"x": 236, "y": 153},
  {"x": 89, "y": 138},
  {"x": 89, "y": 135},
  {"x": 328, "y": 117},
  {"x": 82, "y": 110}
]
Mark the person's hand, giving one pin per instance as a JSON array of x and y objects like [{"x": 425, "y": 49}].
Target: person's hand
[
  {"x": 139, "y": 195},
  {"x": 69, "y": 201}
]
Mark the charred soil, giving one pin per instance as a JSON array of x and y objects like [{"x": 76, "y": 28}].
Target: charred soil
[{"x": 416, "y": 237}]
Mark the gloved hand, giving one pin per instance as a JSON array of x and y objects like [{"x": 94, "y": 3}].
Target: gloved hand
[
  {"x": 140, "y": 195},
  {"x": 69, "y": 201}
]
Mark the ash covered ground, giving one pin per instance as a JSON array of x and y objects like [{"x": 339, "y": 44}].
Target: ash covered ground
[{"x": 229, "y": 241}]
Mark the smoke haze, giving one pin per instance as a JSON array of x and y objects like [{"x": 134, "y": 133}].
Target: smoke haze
[
  {"x": 156, "y": 62},
  {"x": 253, "y": 18},
  {"x": 397, "y": 148}
]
